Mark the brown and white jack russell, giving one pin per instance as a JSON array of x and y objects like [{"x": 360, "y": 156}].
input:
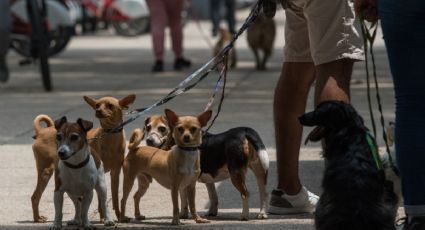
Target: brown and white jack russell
[{"x": 80, "y": 171}]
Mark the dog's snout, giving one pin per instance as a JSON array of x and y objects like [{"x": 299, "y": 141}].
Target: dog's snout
[
  {"x": 63, "y": 151},
  {"x": 186, "y": 138},
  {"x": 149, "y": 142}
]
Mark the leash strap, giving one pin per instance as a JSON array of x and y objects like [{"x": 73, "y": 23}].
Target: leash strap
[
  {"x": 374, "y": 150},
  {"x": 369, "y": 35},
  {"x": 184, "y": 85},
  {"x": 222, "y": 94}
]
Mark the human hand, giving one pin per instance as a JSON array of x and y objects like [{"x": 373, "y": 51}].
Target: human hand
[{"x": 368, "y": 8}]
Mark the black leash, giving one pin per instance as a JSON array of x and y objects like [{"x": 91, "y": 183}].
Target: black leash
[
  {"x": 225, "y": 67},
  {"x": 369, "y": 35},
  {"x": 186, "y": 84}
]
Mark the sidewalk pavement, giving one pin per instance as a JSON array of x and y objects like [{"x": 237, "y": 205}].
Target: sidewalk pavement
[{"x": 104, "y": 64}]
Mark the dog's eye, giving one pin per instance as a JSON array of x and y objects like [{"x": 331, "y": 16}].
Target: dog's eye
[
  {"x": 193, "y": 129},
  {"x": 180, "y": 129},
  {"x": 148, "y": 128},
  {"x": 162, "y": 129},
  {"x": 59, "y": 137},
  {"x": 97, "y": 106},
  {"x": 74, "y": 137},
  {"x": 110, "y": 106}
]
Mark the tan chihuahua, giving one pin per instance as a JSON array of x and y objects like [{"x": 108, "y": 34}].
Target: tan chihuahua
[
  {"x": 176, "y": 169},
  {"x": 111, "y": 147},
  {"x": 46, "y": 160}
]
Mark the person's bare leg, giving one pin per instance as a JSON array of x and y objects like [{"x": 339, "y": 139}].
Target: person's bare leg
[
  {"x": 333, "y": 81},
  {"x": 289, "y": 103}
]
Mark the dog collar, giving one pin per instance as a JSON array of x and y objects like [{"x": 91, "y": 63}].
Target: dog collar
[
  {"x": 114, "y": 130},
  {"x": 80, "y": 165},
  {"x": 185, "y": 148},
  {"x": 374, "y": 149}
]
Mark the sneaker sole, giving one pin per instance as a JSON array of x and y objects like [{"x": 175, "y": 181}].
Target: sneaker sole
[{"x": 286, "y": 211}]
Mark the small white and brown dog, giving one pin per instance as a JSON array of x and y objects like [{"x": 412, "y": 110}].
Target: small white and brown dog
[
  {"x": 157, "y": 132},
  {"x": 80, "y": 171},
  {"x": 176, "y": 169}
]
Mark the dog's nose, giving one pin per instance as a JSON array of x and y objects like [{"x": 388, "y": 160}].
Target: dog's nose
[
  {"x": 62, "y": 153},
  {"x": 186, "y": 138},
  {"x": 149, "y": 142}
]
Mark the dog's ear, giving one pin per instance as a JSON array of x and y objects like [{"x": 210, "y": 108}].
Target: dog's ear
[
  {"x": 316, "y": 134},
  {"x": 172, "y": 117},
  {"x": 147, "y": 120},
  {"x": 90, "y": 101},
  {"x": 204, "y": 117},
  {"x": 85, "y": 125},
  {"x": 126, "y": 101},
  {"x": 59, "y": 122}
]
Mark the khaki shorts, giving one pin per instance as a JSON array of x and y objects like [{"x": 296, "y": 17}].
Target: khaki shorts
[{"x": 321, "y": 31}]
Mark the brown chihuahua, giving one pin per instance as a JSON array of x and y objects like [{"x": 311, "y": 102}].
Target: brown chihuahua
[
  {"x": 46, "y": 160},
  {"x": 111, "y": 147},
  {"x": 176, "y": 169}
]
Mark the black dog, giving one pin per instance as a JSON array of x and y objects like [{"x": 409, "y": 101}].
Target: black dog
[
  {"x": 230, "y": 154},
  {"x": 356, "y": 195}
]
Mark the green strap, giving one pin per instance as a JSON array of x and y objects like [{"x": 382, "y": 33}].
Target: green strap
[{"x": 374, "y": 150}]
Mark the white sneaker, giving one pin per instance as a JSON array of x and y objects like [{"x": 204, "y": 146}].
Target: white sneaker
[{"x": 282, "y": 204}]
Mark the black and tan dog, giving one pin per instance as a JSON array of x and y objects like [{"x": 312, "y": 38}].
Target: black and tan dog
[
  {"x": 261, "y": 35},
  {"x": 223, "y": 156},
  {"x": 229, "y": 155},
  {"x": 356, "y": 194}
]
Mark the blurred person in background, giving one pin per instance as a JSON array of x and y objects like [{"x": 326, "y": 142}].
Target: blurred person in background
[
  {"x": 4, "y": 38},
  {"x": 216, "y": 15},
  {"x": 163, "y": 13}
]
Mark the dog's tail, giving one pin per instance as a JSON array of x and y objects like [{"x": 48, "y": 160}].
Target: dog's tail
[
  {"x": 135, "y": 139},
  {"x": 42, "y": 118},
  {"x": 255, "y": 140}
]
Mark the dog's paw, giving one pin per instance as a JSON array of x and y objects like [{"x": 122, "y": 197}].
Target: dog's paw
[
  {"x": 109, "y": 223},
  {"x": 40, "y": 219},
  {"x": 175, "y": 222},
  {"x": 73, "y": 222},
  {"x": 244, "y": 218},
  {"x": 184, "y": 215},
  {"x": 200, "y": 220},
  {"x": 56, "y": 226},
  {"x": 89, "y": 227},
  {"x": 262, "y": 215},
  {"x": 140, "y": 217},
  {"x": 212, "y": 212},
  {"x": 125, "y": 219}
]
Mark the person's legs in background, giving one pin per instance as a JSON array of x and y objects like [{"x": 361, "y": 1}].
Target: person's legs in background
[
  {"x": 403, "y": 26},
  {"x": 4, "y": 39},
  {"x": 174, "y": 8},
  {"x": 215, "y": 16},
  {"x": 158, "y": 23},
  {"x": 230, "y": 15}
]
